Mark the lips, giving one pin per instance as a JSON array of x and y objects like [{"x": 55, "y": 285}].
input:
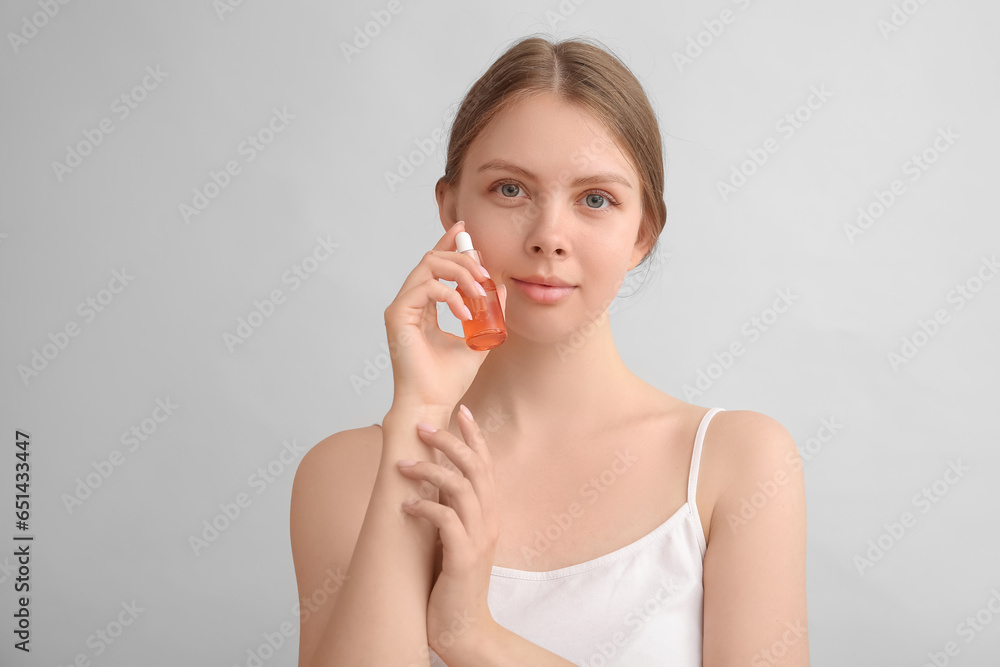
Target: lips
[
  {"x": 543, "y": 289},
  {"x": 547, "y": 281}
]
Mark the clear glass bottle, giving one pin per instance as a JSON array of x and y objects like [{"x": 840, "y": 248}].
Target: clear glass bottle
[{"x": 486, "y": 329}]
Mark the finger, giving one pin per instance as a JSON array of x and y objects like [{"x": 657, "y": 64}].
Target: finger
[
  {"x": 444, "y": 518},
  {"x": 465, "y": 458},
  {"x": 416, "y": 299},
  {"x": 481, "y": 476},
  {"x": 411, "y": 306},
  {"x": 447, "y": 240},
  {"x": 448, "y": 243},
  {"x": 461, "y": 496},
  {"x": 445, "y": 244},
  {"x": 438, "y": 265},
  {"x": 459, "y": 268},
  {"x": 474, "y": 439},
  {"x": 502, "y": 291}
]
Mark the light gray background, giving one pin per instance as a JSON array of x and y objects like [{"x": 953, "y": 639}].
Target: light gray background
[{"x": 323, "y": 175}]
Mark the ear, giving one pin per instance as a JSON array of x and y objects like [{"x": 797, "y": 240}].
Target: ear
[{"x": 445, "y": 195}]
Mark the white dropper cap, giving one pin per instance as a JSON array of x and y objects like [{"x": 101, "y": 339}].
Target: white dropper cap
[{"x": 463, "y": 241}]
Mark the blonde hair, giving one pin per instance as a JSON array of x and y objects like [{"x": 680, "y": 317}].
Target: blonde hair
[{"x": 582, "y": 73}]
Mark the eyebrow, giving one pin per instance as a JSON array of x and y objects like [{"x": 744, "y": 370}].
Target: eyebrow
[{"x": 603, "y": 177}]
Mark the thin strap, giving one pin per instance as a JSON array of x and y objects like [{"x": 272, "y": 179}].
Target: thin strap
[{"x": 696, "y": 455}]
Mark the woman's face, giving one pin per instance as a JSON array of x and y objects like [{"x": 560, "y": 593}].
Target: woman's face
[{"x": 547, "y": 194}]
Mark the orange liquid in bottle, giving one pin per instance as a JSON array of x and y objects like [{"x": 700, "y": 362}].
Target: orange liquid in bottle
[{"x": 487, "y": 328}]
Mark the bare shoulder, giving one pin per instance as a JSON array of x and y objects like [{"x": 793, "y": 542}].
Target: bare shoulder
[
  {"x": 744, "y": 436},
  {"x": 350, "y": 445},
  {"x": 330, "y": 494},
  {"x": 752, "y": 457},
  {"x": 333, "y": 482},
  {"x": 340, "y": 464}
]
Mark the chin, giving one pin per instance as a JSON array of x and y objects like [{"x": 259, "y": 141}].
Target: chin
[{"x": 539, "y": 333}]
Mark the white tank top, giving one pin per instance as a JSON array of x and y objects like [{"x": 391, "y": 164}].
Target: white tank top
[{"x": 640, "y": 605}]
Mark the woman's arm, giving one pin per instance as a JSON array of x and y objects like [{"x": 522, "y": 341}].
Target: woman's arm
[
  {"x": 499, "y": 647},
  {"x": 755, "y": 563},
  {"x": 377, "y": 615}
]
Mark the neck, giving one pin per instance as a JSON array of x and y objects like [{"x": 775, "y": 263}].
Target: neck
[{"x": 548, "y": 394}]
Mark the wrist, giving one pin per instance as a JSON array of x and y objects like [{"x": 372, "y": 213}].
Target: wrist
[
  {"x": 471, "y": 645},
  {"x": 412, "y": 412}
]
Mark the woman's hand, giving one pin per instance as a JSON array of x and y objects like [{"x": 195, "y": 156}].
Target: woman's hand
[
  {"x": 466, "y": 519},
  {"x": 430, "y": 366}
]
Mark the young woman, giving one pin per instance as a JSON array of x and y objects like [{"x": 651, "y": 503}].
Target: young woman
[{"x": 567, "y": 513}]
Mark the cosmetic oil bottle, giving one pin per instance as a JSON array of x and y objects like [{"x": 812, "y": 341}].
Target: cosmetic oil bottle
[{"x": 486, "y": 329}]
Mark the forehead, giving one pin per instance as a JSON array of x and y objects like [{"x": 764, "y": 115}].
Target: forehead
[{"x": 548, "y": 136}]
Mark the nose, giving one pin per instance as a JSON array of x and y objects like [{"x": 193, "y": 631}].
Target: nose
[{"x": 546, "y": 227}]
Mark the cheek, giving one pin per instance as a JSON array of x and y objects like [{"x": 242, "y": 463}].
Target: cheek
[
  {"x": 607, "y": 268},
  {"x": 490, "y": 240},
  {"x": 490, "y": 227}
]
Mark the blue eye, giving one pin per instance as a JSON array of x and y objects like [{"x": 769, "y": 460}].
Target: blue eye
[
  {"x": 510, "y": 189},
  {"x": 595, "y": 200}
]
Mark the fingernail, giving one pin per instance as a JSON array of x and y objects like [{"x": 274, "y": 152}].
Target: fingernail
[
  {"x": 465, "y": 411},
  {"x": 480, "y": 289},
  {"x": 405, "y": 463},
  {"x": 460, "y": 222},
  {"x": 426, "y": 428},
  {"x": 468, "y": 313},
  {"x": 482, "y": 269}
]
